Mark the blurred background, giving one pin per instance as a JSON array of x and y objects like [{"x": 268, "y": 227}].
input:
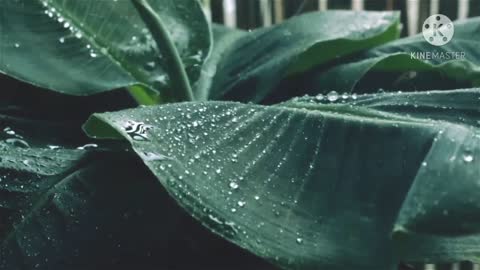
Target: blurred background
[{"x": 250, "y": 14}]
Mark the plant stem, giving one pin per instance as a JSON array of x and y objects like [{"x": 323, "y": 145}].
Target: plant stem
[{"x": 181, "y": 89}]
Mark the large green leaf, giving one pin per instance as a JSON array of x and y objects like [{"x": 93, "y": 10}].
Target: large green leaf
[
  {"x": 318, "y": 183},
  {"x": 25, "y": 172},
  {"x": 86, "y": 47},
  {"x": 392, "y": 66},
  {"x": 110, "y": 213},
  {"x": 250, "y": 66}
]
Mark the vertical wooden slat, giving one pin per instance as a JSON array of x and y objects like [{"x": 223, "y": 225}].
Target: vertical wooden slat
[
  {"x": 279, "y": 10},
  {"x": 266, "y": 12},
  {"x": 434, "y": 7},
  {"x": 456, "y": 266},
  {"x": 463, "y": 9},
  {"x": 413, "y": 12},
  {"x": 230, "y": 13},
  {"x": 322, "y": 4},
  {"x": 358, "y": 5},
  {"x": 207, "y": 8},
  {"x": 389, "y": 5}
]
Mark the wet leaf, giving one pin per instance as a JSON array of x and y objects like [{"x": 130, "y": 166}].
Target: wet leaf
[
  {"x": 87, "y": 47},
  {"x": 408, "y": 64},
  {"x": 321, "y": 183},
  {"x": 252, "y": 65}
]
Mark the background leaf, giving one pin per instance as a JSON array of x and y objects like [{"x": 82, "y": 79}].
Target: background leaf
[
  {"x": 391, "y": 66},
  {"x": 320, "y": 184},
  {"x": 87, "y": 47},
  {"x": 104, "y": 214},
  {"x": 253, "y": 66}
]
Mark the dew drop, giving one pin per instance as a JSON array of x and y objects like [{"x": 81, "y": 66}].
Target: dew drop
[
  {"x": 332, "y": 96},
  {"x": 61, "y": 40},
  {"x": 468, "y": 158},
  {"x": 319, "y": 97},
  {"x": 17, "y": 45},
  {"x": 78, "y": 35},
  {"x": 299, "y": 241},
  {"x": 17, "y": 142},
  {"x": 233, "y": 185},
  {"x": 241, "y": 203},
  {"x": 150, "y": 65},
  {"x": 150, "y": 156},
  {"x": 87, "y": 146},
  {"x": 9, "y": 131}
]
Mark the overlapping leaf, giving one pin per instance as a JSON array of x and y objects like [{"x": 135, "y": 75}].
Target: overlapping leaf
[
  {"x": 313, "y": 184},
  {"x": 399, "y": 65},
  {"x": 87, "y": 47},
  {"x": 249, "y": 68}
]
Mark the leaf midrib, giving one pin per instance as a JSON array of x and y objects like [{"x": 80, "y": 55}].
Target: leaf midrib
[{"x": 73, "y": 20}]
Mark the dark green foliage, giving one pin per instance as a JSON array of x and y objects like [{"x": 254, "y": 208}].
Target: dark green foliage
[{"x": 356, "y": 157}]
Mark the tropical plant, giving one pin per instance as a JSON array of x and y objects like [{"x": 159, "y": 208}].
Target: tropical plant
[{"x": 306, "y": 145}]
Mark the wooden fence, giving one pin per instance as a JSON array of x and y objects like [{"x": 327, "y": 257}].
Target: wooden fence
[{"x": 249, "y": 14}]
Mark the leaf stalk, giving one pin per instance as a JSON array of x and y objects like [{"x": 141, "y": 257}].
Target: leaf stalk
[{"x": 181, "y": 88}]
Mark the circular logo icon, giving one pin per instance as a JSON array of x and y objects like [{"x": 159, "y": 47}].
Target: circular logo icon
[{"x": 438, "y": 30}]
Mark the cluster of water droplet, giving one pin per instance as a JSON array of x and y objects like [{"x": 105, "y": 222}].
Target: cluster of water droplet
[
  {"x": 74, "y": 32},
  {"x": 334, "y": 96},
  {"x": 13, "y": 138}
]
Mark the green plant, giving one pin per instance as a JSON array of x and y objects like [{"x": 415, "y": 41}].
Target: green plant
[{"x": 292, "y": 142}]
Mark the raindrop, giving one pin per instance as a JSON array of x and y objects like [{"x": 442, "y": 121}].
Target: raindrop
[
  {"x": 87, "y": 146},
  {"x": 150, "y": 156},
  {"x": 319, "y": 97},
  {"x": 9, "y": 131},
  {"x": 150, "y": 66},
  {"x": 299, "y": 241},
  {"x": 354, "y": 96},
  {"x": 241, "y": 203},
  {"x": 93, "y": 54},
  {"x": 62, "y": 40},
  {"x": 78, "y": 35},
  {"x": 17, "y": 45},
  {"x": 332, "y": 96},
  {"x": 468, "y": 157},
  {"x": 257, "y": 198},
  {"x": 345, "y": 96},
  {"x": 17, "y": 142},
  {"x": 233, "y": 210},
  {"x": 233, "y": 185}
]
